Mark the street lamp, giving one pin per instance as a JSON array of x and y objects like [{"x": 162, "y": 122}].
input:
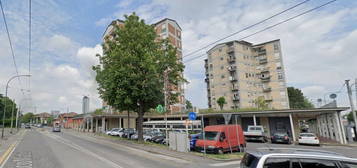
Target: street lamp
[{"x": 3, "y": 117}]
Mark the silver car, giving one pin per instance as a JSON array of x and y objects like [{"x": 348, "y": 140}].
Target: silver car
[{"x": 295, "y": 158}]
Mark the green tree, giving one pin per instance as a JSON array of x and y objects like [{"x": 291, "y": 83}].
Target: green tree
[
  {"x": 297, "y": 100},
  {"x": 261, "y": 103},
  {"x": 11, "y": 107},
  {"x": 188, "y": 104},
  {"x": 50, "y": 120},
  {"x": 130, "y": 74},
  {"x": 26, "y": 118},
  {"x": 221, "y": 101},
  {"x": 98, "y": 111},
  {"x": 350, "y": 116}
]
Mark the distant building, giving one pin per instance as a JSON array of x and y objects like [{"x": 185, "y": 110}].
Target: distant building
[
  {"x": 85, "y": 105},
  {"x": 241, "y": 72},
  {"x": 65, "y": 119},
  {"x": 165, "y": 29},
  {"x": 42, "y": 118},
  {"x": 55, "y": 113}
]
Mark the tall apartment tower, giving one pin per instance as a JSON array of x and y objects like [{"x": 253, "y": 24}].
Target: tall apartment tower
[
  {"x": 85, "y": 105},
  {"x": 241, "y": 72},
  {"x": 165, "y": 28}
]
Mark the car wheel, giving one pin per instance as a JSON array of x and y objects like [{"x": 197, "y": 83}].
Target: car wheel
[{"x": 220, "y": 151}]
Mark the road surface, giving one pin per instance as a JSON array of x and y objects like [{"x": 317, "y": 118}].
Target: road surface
[{"x": 45, "y": 149}]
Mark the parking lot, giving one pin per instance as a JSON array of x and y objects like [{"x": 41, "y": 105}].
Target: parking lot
[{"x": 344, "y": 150}]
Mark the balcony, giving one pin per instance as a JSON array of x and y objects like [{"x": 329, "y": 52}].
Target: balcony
[
  {"x": 235, "y": 88},
  {"x": 268, "y": 99},
  {"x": 263, "y": 61},
  {"x": 230, "y": 49},
  {"x": 232, "y": 78},
  {"x": 231, "y": 59},
  {"x": 206, "y": 66},
  {"x": 262, "y": 52},
  {"x": 265, "y": 70},
  {"x": 207, "y": 80},
  {"x": 232, "y": 68},
  {"x": 265, "y": 78},
  {"x": 266, "y": 89},
  {"x": 235, "y": 98}
]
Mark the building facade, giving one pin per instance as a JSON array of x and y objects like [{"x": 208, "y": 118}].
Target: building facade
[
  {"x": 243, "y": 72},
  {"x": 85, "y": 105},
  {"x": 165, "y": 29}
]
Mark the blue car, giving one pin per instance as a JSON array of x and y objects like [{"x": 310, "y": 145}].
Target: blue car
[{"x": 193, "y": 139}]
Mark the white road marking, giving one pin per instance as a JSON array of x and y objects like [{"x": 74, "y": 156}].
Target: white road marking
[
  {"x": 79, "y": 148},
  {"x": 225, "y": 163},
  {"x": 12, "y": 151},
  {"x": 138, "y": 151}
]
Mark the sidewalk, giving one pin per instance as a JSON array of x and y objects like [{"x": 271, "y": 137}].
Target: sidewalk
[
  {"x": 152, "y": 148},
  {"x": 9, "y": 142}
]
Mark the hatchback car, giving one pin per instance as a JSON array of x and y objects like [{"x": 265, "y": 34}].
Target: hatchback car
[
  {"x": 280, "y": 138},
  {"x": 308, "y": 139},
  {"x": 295, "y": 158}
]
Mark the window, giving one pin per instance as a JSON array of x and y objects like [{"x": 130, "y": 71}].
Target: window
[
  {"x": 280, "y": 76},
  {"x": 221, "y": 58},
  {"x": 222, "y": 67},
  {"x": 314, "y": 163},
  {"x": 211, "y": 76},
  {"x": 249, "y": 161},
  {"x": 276, "y": 47},
  {"x": 246, "y": 75},
  {"x": 220, "y": 50},
  {"x": 211, "y": 67},
  {"x": 276, "y": 55},
  {"x": 277, "y": 163},
  {"x": 222, "y": 76},
  {"x": 163, "y": 28}
]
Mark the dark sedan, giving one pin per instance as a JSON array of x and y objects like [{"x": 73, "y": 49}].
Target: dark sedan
[{"x": 281, "y": 138}]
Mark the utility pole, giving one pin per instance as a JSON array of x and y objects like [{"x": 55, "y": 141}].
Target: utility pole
[
  {"x": 351, "y": 103},
  {"x": 165, "y": 101},
  {"x": 17, "y": 118},
  {"x": 12, "y": 116}
]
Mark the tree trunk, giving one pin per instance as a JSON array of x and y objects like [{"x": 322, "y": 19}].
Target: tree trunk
[
  {"x": 140, "y": 123},
  {"x": 128, "y": 119}
]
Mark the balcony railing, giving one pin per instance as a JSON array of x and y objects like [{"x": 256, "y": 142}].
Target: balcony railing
[
  {"x": 231, "y": 59},
  {"x": 235, "y": 98},
  {"x": 232, "y": 68},
  {"x": 230, "y": 49},
  {"x": 268, "y": 99},
  {"x": 265, "y": 78},
  {"x": 263, "y": 61},
  {"x": 265, "y": 70},
  {"x": 232, "y": 78},
  {"x": 235, "y": 88},
  {"x": 267, "y": 89}
]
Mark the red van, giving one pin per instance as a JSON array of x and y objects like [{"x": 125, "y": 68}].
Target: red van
[{"x": 219, "y": 139}]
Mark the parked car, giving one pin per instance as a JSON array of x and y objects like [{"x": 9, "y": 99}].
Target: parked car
[
  {"x": 280, "y": 137},
  {"x": 193, "y": 140},
  {"x": 255, "y": 133},
  {"x": 118, "y": 132},
  {"x": 221, "y": 138},
  {"x": 110, "y": 131},
  {"x": 27, "y": 126},
  {"x": 308, "y": 139},
  {"x": 159, "y": 138},
  {"x": 128, "y": 132},
  {"x": 295, "y": 158}
]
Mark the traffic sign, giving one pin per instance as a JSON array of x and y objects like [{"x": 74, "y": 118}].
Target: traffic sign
[
  {"x": 160, "y": 108},
  {"x": 192, "y": 116}
]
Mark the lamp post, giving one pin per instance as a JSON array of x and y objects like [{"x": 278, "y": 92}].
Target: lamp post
[{"x": 3, "y": 117}]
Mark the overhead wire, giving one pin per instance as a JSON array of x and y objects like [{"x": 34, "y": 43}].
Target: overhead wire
[
  {"x": 246, "y": 28},
  {"x": 274, "y": 25}
]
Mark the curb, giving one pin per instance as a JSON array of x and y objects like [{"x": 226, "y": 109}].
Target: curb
[
  {"x": 7, "y": 153},
  {"x": 329, "y": 144}
]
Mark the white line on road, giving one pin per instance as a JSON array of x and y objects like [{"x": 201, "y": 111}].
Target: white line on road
[
  {"x": 13, "y": 149},
  {"x": 79, "y": 148},
  {"x": 225, "y": 163}
]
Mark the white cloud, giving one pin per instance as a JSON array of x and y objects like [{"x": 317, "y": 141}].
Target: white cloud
[{"x": 317, "y": 48}]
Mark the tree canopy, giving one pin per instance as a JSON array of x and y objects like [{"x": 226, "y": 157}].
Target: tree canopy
[
  {"x": 221, "y": 101},
  {"x": 130, "y": 74},
  {"x": 188, "y": 104},
  {"x": 260, "y": 103},
  {"x": 10, "y": 105},
  {"x": 297, "y": 100},
  {"x": 26, "y": 118}
]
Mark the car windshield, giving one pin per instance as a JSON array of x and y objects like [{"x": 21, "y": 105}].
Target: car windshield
[
  {"x": 210, "y": 135},
  {"x": 256, "y": 129},
  {"x": 280, "y": 134}
]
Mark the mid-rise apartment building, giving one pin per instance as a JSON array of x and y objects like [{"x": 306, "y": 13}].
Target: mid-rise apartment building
[
  {"x": 241, "y": 72},
  {"x": 165, "y": 29}
]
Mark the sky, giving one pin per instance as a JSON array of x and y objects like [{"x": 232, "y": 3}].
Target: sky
[{"x": 319, "y": 49}]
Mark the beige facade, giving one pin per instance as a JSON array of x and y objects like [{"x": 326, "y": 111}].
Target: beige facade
[
  {"x": 241, "y": 72},
  {"x": 165, "y": 29}
]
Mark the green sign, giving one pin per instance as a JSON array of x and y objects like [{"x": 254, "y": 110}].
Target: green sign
[{"x": 160, "y": 108}]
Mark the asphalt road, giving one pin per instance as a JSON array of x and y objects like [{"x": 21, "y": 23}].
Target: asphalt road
[
  {"x": 45, "y": 149},
  {"x": 344, "y": 150}
]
